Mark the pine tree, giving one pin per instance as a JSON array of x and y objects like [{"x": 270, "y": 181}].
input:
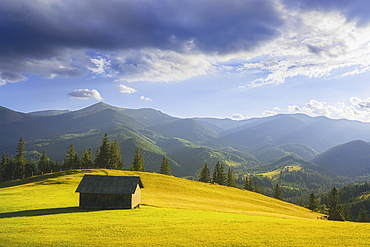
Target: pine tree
[
  {"x": 102, "y": 159},
  {"x": 362, "y": 215},
  {"x": 115, "y": 159},
  {"x": 31, "y": 168},
  {"x": 257, "y": 188},
  {"x": 86, "y": 160},
  {"x": 165, "y": 166},
  {"x": 250, "y": 184},
  {"x": 230, "y": 178},
  {"x": 3, "y": 165},
  {"x": 215, "y": 172},
  {"x": 278, "y": 194},
  {"x": 204, "y": 174},
  {"x": 20, "y": 163},
  {"x": 246, "y": 185},
  {"x": 138, "y": 162},
  {"x": 9, "y": 167},
  {"x": 333, "y": 200},
  {"x": 347, "y": 213},
  {"x": 71, "y": 160},
  {"x": 312, "y": 202},
  {"x": 43, "y": 165},
  {"x": 96, "y": 157},
  {"x": 219, "y": 175}
]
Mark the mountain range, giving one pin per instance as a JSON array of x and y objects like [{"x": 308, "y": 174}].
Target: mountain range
[{"x": 190, "y": 142}]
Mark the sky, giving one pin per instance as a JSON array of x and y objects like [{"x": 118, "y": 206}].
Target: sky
[{"x": 234, "y": 59}]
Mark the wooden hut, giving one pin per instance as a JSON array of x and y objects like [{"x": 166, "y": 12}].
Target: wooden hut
[
  {"x": 336, "y": 216},
  {"x": 110, "y": 192}
]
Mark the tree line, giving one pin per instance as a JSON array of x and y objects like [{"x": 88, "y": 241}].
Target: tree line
[
  {"x": 331, "y": 202},
  {"x": 106, "y": 156}
]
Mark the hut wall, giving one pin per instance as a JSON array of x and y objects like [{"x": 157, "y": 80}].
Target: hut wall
[
  {"x": 136, "y": 197},
  {"x": 105, "y": 201}
]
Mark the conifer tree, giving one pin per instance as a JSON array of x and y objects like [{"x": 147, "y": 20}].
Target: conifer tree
[
  {"x": 31, "y": 168},
  {"x": 86, "y": 160},
  {"x": 333, "y": 200},
  {"x": 3, "y": 165},
  {"x": 9, "y": 167},
  {"x": 362, "y": 215},
  {"x": 19, "y": 161},
  {"x": 115, "y": 159},
  {"x": 312, "y": 202},
  {"x": 43, "y": 165},
  {"x": 165, "y": 166},
  {"x": 204, "y": 174},
  {"x": 219, "y": 175},
  {"x": 278, "y": 194},
  {"x": 96, "y": 157},
  {"x": 102, "y": 159},
  {"x": 71, "y": 160},
  {"x": 247, "y": 185},
  {"x": 138, "y": 162},
  {"x": 230, "y": 178},
  {"x": 215, "y": 172},
  {"x": 347, "y": 213},
  {"x": 257, "y": 188},
  {"x": 250, "y": 184}
]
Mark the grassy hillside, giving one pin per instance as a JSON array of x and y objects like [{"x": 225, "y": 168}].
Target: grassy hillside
[{"x": 44, "y": 210}]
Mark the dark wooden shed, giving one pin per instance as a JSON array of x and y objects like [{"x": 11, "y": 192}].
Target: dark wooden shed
[
  {"x": 336, "y": 216},
  {"x": 110, "y": 192}
]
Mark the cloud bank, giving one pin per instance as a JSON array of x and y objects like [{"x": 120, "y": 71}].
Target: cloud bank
[
  {"x": 359, "y": 110},
  {"x": 162, "y": 40}
]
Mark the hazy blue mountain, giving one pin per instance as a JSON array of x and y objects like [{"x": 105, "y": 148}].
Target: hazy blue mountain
[
  {"x": 48, "y": 113},
  {"x": 149, "y": 116},
  {"x": 303, "y": 151},
  {"x": 187, "y": 129},
  {"x": 319, "y": 133},
  {"x": 349, "y": 159},
  {"x": 246, "y": 143},
  {"x": 220, "y": 125}
]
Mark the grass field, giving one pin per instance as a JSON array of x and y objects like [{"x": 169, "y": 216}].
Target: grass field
[{"x": 43, "y": 211}]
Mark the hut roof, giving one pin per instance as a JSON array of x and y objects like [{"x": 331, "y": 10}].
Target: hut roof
[
  {"x": 336, "y": 216},
  {"x": 96, "y": 184}
]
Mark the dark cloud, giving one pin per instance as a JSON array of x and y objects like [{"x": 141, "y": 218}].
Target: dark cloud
[{"x": 36, "y": 29}]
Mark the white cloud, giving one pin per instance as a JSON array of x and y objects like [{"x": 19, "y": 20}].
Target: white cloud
[
  {"x": 238, "y": 116},
  {"x": 363, "y": 104},
  {"x": 276, "y": 109},
  {"x": 100, "y": 66},
  {"x": 311, "y": 44},
  {"x": 313, "y": 108},
  {"x": 155, "y": 65},
  {"x": 269, "y": 113},
  {"x": 125, "y": 89},
  {"x": 146, "y": 99},
  {"x": 85, "y": 94},
  {"x": 356, "y": 111}
]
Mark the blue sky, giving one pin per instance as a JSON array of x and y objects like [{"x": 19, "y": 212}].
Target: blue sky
[{"x": 227, "y": 59}]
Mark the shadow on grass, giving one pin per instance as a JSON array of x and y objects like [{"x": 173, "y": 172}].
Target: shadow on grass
[{"x": 47, "y": 211}]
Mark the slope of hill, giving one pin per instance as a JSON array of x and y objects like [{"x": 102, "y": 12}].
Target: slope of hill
[
  {"x": 350, "y": 159},
  {"x": 48, "y": 113},
  {"x": 174, "y": 212},
  {"x": 303, "y": 151},
  {"x": 187, "y": 129}
]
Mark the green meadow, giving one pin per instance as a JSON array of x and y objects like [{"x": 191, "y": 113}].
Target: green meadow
[{"x": 43, "y": 211}]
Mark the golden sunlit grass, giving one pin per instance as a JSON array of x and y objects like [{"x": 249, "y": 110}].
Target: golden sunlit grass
[
  {"x": 176, "y": 212},
  {"x": 276, "y": 172}
]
